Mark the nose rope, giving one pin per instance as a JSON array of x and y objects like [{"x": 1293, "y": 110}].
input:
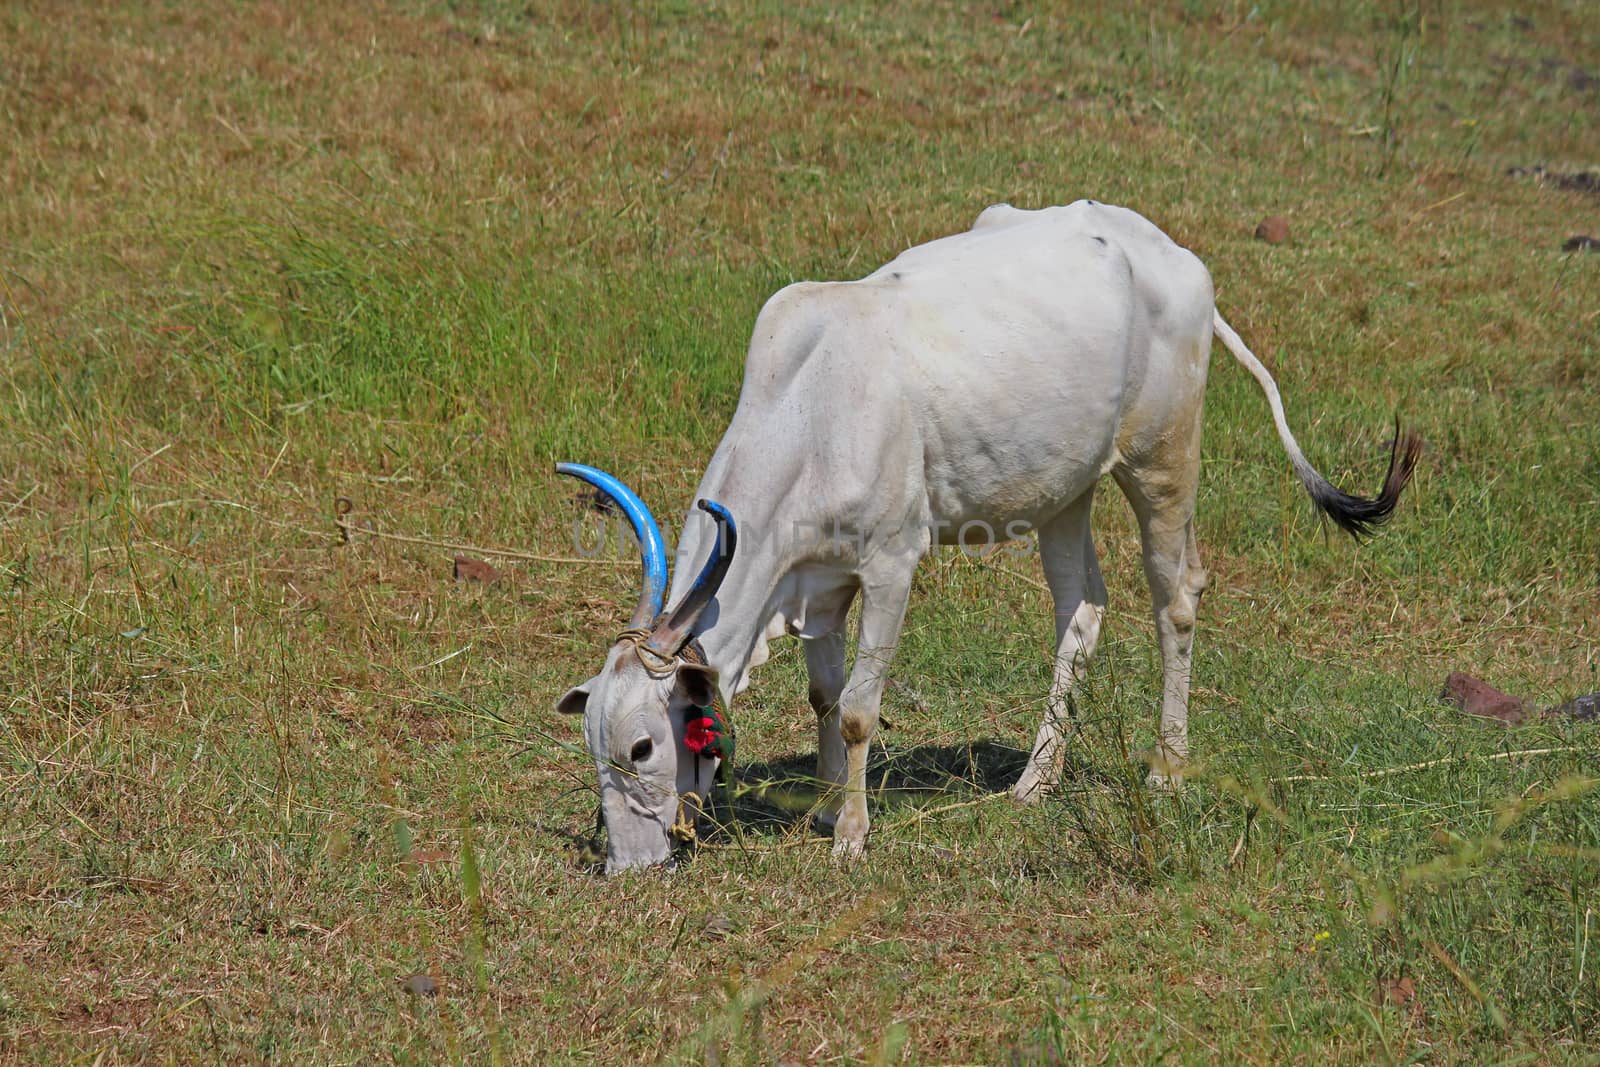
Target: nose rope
[{"x": 683, "y": 830}]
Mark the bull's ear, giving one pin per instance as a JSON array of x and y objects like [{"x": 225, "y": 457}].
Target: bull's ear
[
  {"x": 576, "y": 700},
  {"x": 697, "y": 684}
]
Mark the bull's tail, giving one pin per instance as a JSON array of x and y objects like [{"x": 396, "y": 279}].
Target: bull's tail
[{"x": 1357, "y": 515}]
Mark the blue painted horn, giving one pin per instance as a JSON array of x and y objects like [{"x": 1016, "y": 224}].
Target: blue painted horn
[
  {"x": 675, "y": 631},
  {"x": 645, "y": 531}
]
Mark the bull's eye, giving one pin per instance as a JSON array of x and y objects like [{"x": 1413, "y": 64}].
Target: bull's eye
[{"x": 641, "y": 750}]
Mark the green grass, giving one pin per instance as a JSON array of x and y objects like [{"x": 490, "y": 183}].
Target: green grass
[{"x": 253, "y": 778}]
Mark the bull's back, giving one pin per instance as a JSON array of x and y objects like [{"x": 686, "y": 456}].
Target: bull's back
[
  {"x": 1036, "y": 339},
  {"x": 989, "y": 374}
]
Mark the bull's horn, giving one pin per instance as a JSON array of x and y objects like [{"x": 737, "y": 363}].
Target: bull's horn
[
  {"x": 645, "y": 531},
  {"x": 672, "y": 634}
]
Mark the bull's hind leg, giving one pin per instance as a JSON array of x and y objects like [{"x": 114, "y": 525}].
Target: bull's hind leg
[
  {"x": 1163, "y": 502},
  {"x": 1194, "y": 575},
  {"x": 1066, "y": 548}
]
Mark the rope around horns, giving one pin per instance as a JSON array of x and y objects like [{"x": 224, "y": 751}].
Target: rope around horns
[{"x": 656, "y": 664}]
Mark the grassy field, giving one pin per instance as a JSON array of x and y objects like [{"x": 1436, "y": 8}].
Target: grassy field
[{"x": 256, "y": 778}]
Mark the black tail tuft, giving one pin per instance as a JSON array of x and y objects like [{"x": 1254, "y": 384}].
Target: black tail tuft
[{"x": 1360, "y": 516}]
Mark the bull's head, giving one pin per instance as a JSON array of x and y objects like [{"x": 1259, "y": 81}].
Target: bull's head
[{"x": 636, "y": 709}]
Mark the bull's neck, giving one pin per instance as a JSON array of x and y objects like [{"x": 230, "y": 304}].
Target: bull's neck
[{"x": 732, "y": 625}]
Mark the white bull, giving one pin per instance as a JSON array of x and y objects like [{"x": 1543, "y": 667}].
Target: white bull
[{"x": 991, "y": 377}]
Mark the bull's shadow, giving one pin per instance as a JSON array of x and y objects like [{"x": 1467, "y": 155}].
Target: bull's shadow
[{"x": 778, "y": 796}]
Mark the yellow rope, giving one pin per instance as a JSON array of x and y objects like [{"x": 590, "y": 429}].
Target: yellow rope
[
  {"x": 659, "y": 664},
  {"x": 656, "y": 664}
]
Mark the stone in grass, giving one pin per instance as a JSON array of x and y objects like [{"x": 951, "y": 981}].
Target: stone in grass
[
  {"x": 420, "y": 985},
  {"x": 1583, "y": 709},
  {"x": 717, "y": 926},
  {"x": 431, "y": 856},
  {"x": 474, "y": 570},
  {"x": 1402, "y": 993},
  {"x": 1274, "y": 229},
  {"x": 595, "y": 500},
  {"x": 1580, "y": 181},
  {"x": 1479, "y": 698}
]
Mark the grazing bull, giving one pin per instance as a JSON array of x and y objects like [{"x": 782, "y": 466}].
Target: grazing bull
[{"x": 985, "y": 381}]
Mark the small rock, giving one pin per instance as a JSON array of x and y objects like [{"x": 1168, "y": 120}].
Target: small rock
[
  {"x": 1403, "y": 991},
  {"x": 420, "y": 985},
  {"x": 437, "y": 855},
  {"x": 597, "y": 500},
  {"x": 474, "y": 570},
  {"x": 1581, "y": 243},
  {"x": 1578, "y": 181},
  {"x": 1583, "y": 709},
  {"x": 1583, "y": 181},
  {"x": 1483, "y": 700},
  {"x": 1274, "y": 229},
  {"x": 718, "y": 927}
]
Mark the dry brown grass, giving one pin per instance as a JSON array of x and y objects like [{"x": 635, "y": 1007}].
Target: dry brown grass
[{"x": 257, "y": 257}]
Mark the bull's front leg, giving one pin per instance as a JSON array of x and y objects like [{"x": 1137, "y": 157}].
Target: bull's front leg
[
  {"x": 825, "y": 662},
  {"x": 883, "y": 610}
]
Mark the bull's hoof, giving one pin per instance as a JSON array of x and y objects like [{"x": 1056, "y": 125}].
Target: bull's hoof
[
  {"x": 1164, "y": 783},
  {"x": 850, "y": 836},
  {"x": 1166, "y": 770},
  {"x": 848, "y": 849},
  {"x": 1030, "y": 790}
]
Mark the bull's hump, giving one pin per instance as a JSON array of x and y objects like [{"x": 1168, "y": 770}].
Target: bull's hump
[
  {"x": 788, "y": 331},
  {"x": 1008, "y": 248}
]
